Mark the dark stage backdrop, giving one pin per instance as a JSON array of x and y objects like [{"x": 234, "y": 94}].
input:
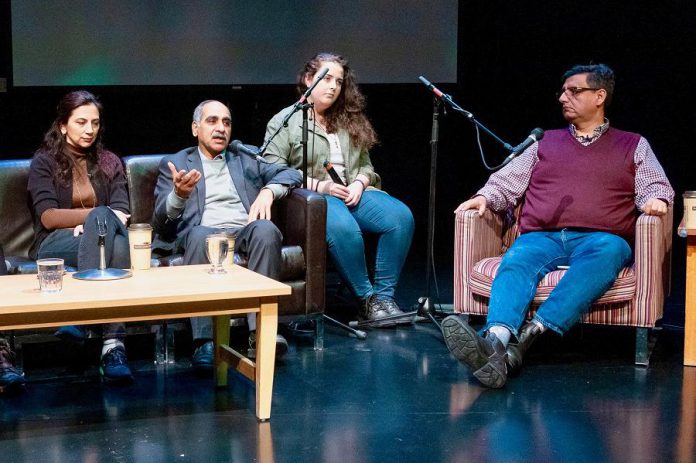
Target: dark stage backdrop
[
  {"x": 174, "y": 42},
  {"x": 509, "y": 60}
]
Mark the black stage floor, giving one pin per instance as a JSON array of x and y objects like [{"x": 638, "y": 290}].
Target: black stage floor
[{"x": 396, "y": 396}]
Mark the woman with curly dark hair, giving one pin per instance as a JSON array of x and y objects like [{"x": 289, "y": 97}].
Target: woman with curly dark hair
[
  {"x": 341, "y": 134},
  {"x": 74, "y": 182}
]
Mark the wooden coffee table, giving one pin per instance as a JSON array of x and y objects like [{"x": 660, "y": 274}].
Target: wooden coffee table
[{"x": 157, "y": 294}]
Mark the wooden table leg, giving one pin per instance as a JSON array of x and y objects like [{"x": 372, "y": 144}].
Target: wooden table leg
[
  {"x": 690, "y": 304},
  {"x": 221, "y": 337},
  {"x": 266, "y": 330}
]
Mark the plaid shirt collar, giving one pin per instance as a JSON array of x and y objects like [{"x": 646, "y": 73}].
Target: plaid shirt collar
[{"x": 589, "y": 139}]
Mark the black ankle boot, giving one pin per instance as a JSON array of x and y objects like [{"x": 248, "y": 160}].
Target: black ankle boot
[{"x": 516, "y": 350}]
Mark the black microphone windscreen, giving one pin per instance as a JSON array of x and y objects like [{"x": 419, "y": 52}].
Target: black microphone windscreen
[{"x": 538, "y": 133}]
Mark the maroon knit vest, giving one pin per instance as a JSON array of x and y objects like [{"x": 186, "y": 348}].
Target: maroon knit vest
[{"x": 583, "y": 187}]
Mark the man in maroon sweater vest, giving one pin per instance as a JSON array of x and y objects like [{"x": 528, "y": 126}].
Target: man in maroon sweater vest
[{"x": 583, "y": 187}]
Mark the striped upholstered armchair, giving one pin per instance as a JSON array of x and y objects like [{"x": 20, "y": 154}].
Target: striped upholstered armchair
[{"x": 636, "y": 299}]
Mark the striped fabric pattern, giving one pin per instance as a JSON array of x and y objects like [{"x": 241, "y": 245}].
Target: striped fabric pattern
[
  {"x": 635, "y": 299},
  {"x": 483, "y": 272}
]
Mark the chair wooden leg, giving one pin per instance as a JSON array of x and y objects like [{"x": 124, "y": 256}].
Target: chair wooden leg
[{"x": 643, "y": 347}]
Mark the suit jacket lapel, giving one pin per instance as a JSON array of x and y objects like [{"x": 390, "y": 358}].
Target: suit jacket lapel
[
  {"x": 234, "y": 165},
  {"x": 193, "y": 161}
]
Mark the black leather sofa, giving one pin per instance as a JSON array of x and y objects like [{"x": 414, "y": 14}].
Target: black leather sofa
[{"x": 301, "y": 218}]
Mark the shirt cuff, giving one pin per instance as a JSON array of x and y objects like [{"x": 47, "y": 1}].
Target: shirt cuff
[
  {"x": 278, "y": 190},
  {"x": 175, "y": 205}
]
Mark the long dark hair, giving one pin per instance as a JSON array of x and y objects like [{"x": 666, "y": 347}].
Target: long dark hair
[
  {"x": 348, "y": 111},
  {"x": 54, "y": 143}
]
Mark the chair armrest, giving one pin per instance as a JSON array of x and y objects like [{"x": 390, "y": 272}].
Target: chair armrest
[
  {"x": 477, "y": 237},
  {"x": 653, "y": 257},
  {"x": 301, "y": 218}
]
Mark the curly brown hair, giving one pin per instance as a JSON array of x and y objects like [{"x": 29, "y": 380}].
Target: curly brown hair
[
  {"x": 54, "y": 144},
  {"x": 348, "y": 111}
]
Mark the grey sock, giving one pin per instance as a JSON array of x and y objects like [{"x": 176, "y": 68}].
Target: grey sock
[{"x": 501, "y": 333}]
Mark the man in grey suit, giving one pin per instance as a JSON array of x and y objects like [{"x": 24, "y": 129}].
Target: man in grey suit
[{"x": 207, "y": 189}]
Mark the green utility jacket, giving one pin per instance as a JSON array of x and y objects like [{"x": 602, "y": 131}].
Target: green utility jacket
[{"x": 286, "y": 149}]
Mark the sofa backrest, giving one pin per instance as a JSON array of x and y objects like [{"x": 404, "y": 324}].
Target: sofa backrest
[
  {"x": 16, "y": 224},
  {"x": 142, "y": 171}
]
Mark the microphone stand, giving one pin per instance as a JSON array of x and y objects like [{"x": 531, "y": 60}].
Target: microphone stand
[
  {"x": 448, "y": 99},
  {"x": 304, "y": 106},
  {"x": 300, "y": 105},
  {"x": 303, "y": 141},
  {"x": 424, "y": 307}
]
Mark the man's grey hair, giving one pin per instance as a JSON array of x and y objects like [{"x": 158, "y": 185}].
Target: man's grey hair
[{"x": 198, "y": 112}]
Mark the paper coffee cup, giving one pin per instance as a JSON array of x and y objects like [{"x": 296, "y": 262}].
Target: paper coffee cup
[
  {"x": 689, "y": 209},
  {"x": 140, "y": 240},
  {"x": 229, "y": 261}
]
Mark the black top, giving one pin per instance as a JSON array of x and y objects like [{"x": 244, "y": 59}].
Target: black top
[{"x": 48, "y": 192}]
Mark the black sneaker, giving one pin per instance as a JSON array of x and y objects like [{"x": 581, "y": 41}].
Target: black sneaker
[
  {"x": 114, "y": 367},
  {"x": 71, "y": 334},
  {"x": 485, "y": 357},
  {"x": 394, "y": 310},
  {"x": 11, "y": 380},
  {"x": 203, "y": 358},
  {"x": 375, "y": 309},
  {"x": 281, "y": 346}
]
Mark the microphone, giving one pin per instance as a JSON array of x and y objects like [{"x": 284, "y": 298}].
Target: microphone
[
  {"x": 431, "y": 87},
  {"x": 238, "y": 147},
  {"x": 320, "y": 75},
  {"x": 332, "y": 173},
  {"x": 536, "y": 135},
  {"x": 297, "y": 106}
]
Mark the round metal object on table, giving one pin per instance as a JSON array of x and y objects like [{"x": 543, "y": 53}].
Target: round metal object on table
[{"x": 95, "y": 274}]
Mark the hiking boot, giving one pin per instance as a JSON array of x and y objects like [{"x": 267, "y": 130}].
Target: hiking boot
[
  {"x": 485, "y": 356},
  {"x": 516, "y": 350}
]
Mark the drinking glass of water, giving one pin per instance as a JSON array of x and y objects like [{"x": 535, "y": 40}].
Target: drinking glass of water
[
  {"x": 216, "y": 248},
  {"x": 50, "y": 275}
]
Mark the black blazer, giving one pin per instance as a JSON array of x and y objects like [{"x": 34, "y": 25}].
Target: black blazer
[{"x": 249, "y": 177}]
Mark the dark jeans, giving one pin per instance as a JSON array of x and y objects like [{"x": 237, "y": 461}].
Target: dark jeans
[
  {"x": 83, "y": 252},
  {"x": 260, "y": 241}
]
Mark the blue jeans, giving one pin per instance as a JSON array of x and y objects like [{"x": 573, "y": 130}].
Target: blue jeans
[
  {"x": 377, "y": 213},
  {"x": 594, "y": 259},
  {"x": 82, "y": 252}
]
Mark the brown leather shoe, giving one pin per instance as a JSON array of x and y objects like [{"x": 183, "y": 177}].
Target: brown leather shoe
[
  {"x": 484, "y": 356},
  {"x": 516, "y": 350}
]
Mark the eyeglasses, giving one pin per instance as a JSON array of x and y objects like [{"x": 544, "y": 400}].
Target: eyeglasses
[{"x": 574, "y": 91}]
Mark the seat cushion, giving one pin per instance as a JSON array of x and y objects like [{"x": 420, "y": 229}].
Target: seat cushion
[{"x": 481, "y": 279}]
